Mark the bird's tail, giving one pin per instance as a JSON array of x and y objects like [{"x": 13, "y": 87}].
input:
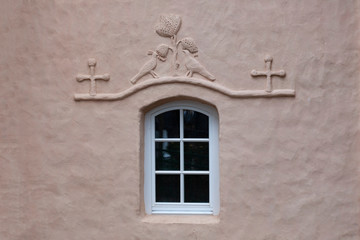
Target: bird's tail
[
  {"x": 208, "y": 75},
  {"x": 135, "y": 78}
]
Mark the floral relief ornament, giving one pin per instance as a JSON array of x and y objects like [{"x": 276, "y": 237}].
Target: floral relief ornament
[{"x": 168, "y": 26}]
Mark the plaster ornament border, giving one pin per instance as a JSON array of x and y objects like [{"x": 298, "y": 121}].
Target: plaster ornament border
[{"x": 168, "y": 26}]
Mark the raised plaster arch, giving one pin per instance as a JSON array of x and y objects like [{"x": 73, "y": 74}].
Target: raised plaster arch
[
  {"x": 186, "y": 80},
  {"x": 176, "y": 98}
]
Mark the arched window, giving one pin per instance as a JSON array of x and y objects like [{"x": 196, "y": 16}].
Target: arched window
[{"x": 181, "y": 168}]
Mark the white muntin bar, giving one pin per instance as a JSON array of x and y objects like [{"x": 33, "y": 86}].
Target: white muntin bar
[
  {"x": 179, "y": 139},
  {"x": 188, "y": 172},
  {"x": 182, "y": 160}
]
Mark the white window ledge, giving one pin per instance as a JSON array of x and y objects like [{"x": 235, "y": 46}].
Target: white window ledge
[{"x": 181, "y": 219}]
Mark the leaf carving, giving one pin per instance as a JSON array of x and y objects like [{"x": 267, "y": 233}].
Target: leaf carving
[
  {"x": 189, "y": 44},
  {"x": 168, "y": 25},
  {"x": 162, "y": 50}
]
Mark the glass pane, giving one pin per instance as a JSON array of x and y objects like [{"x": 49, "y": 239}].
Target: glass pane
[
  {"x": 167, "y": 124},
  {"x": 167, "y": 155},
  {"x": 196, "y": 156},
  {"x": 167, "y": 188},
  {"x": 196, "y": 125},
  {"x": 196, "y": 188}
]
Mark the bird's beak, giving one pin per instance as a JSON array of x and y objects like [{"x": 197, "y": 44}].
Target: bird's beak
[{"x": 161, "y": 58}]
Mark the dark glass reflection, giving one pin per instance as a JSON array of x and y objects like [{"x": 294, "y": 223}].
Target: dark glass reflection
[
  {"x": 167, "y": 124},
  {"x": 196, "y": 188},
  {"x": 167, "y": 155},
  {"x": 167, "y": 188},
  {"x": 196, "y": 125},
  {"x": 196, "y": 156}
]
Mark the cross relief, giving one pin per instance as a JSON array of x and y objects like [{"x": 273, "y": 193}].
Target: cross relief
[
  {"x": 184, "y": 52},
  {"x": 92, "y": 77},
  {"x": 268, "y": 73}
]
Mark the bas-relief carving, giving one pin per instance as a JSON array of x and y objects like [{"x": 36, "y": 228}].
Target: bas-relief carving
[
  {"x": 268, "y": 73},
  {"x": 148, "y": 68},
  {"x": 92, "y": 77},
  {"x": 193, "y": 66},
  {"x": 168, "y": 26}
]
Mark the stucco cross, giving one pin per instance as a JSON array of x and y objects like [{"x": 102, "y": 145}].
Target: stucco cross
[
  {"x": 268, "y": 73},
  {"x": 92, "y": 77}
]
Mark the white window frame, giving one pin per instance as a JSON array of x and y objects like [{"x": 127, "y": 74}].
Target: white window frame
[{"x": 151, "y": 207}]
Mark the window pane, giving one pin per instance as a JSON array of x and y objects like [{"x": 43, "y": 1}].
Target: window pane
[
  {"x": 196, "y": 125},
  {"x": 167, "y": 124},
  {"x": 167, "y": 188},
  {"x": 196, "y": 188},
  {"x": 167, "y": 155},
  {"x": 196, "y": 156}
]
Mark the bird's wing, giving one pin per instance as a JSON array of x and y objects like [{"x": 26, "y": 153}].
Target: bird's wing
[
  {"x": 149, "y": 65},
  {"x": 193, "y": 64}
]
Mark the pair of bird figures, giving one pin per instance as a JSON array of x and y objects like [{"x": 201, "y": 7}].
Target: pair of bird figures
[{"x": 191, "y": 64}]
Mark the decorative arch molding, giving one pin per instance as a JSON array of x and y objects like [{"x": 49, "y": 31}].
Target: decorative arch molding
[{"x": 185, "y": 80}]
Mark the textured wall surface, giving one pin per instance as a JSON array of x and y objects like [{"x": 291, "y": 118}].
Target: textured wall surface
[{"x": 73, "y": 170}]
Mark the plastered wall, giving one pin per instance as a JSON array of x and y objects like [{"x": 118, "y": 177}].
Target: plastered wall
[{"x": 73, "y": 169}]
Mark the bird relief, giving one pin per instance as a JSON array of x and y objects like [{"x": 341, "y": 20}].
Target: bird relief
[{"x": 168, "y": 26}]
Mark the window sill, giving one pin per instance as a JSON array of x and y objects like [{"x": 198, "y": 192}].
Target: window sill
[{"x": 181, "y": 219}]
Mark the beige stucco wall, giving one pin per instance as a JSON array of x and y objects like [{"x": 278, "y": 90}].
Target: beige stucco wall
[{"x": 73, "y": 170}]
